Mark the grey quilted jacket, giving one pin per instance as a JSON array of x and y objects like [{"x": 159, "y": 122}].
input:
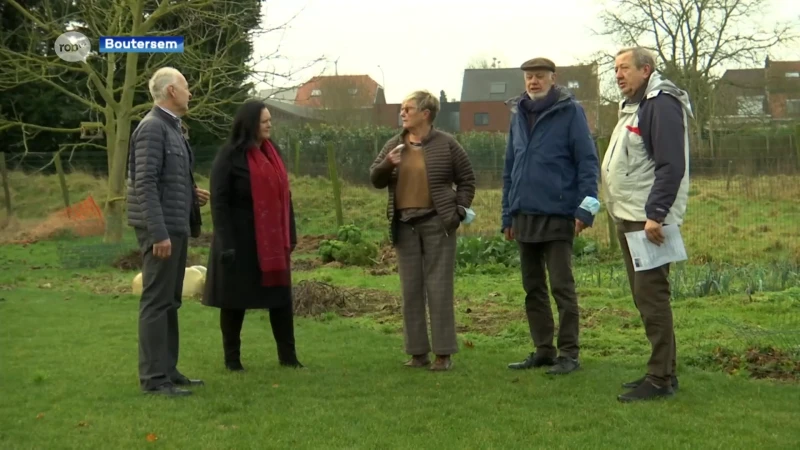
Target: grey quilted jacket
[{"x": 160, "y": 181}]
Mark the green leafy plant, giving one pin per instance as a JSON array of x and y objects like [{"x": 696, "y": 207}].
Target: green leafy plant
[
  {"x": 348, "y": 248},
  {"x": 349, "y": 233},
  {"x": 472, "y": 252}
]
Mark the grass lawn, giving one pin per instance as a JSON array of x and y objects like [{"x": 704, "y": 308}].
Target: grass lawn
[
  {"x": 70, "y": 382},
  {"x": 68, "y": 347}
]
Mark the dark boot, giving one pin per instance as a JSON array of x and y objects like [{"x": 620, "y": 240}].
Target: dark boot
[
  {"x": 647, "y": 391},
  {"x": 532, "y": 361},
  {"x": 282, "y": 321},
  {"x": 231, "y": 326},
  {"x": 634, "y": 384},
  {"x": 564, "y": 365}
]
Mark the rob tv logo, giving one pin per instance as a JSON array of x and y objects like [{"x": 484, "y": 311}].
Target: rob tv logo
[
  {"x": 75, "y": 47},
  {"x": 72, "y": 46}
]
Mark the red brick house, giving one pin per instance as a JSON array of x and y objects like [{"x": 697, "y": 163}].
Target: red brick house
[
  {"x": 340, "y": 91},
  {"x": 771, "y": 93}
]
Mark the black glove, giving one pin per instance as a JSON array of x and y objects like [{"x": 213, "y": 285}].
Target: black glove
[{"x": 228, "y": 256}]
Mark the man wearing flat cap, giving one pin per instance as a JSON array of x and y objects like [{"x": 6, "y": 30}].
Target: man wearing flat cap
[{"x": 550, "y": 185}]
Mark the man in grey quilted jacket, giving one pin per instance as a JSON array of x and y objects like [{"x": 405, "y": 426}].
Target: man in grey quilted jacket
[{"x": 163, "y": 209}]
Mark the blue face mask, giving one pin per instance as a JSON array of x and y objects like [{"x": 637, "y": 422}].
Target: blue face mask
[
  {"x": 591, "y": 204},
  {"x": 470, "y": 216}
]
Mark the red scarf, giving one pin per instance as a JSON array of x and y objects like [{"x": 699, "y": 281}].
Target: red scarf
[{"x": 270, "y": 190}]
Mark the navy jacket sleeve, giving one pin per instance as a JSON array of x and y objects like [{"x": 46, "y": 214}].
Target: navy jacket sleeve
[
  {"x": 587, "y": 164},
  {"x": 508, "y": 166},
  {"x": 661, "y": 125}
]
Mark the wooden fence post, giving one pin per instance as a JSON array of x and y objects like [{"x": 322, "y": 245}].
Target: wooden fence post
[
  {"x": 62, "y": 179},
  {"x": 613, "y": 245},
  {"x": 6, "y": 187},
  {"x": 296, "y": 165},
  {"x": 334, "y": 176}
]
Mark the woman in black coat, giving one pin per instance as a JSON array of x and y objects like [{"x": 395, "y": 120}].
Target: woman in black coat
[{"x": 254, "y": 234}]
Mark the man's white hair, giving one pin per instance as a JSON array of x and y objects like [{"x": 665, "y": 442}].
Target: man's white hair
[{"x": 160, "y": 80}]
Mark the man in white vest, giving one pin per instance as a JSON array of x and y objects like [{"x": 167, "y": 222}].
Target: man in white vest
[{"x": 645, "y": 181}]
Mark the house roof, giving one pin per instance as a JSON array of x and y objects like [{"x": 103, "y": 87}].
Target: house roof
[
  {"x": 281, "y": 94},
  {"x": 339, "y": 91},
  {"x": 295, "y": 110},
  {"x": 745, "y": 79},
  {"x": 480, "y": 85}
]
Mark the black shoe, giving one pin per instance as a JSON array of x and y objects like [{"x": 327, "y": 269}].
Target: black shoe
[
  {"x": 564, "y": 365},
  {"x": 234, "y": 366},
  {"x": 647, "y": 391},
  {"x": 636, "y": 383},
  {"x": 532, "y": 361},
  {"x": 184, "y": 381},
  {"x": 295, "y": 364},
  {"x": 168, "y": 390}
]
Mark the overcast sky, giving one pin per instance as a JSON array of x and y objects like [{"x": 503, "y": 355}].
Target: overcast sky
[{"x": 426, "y": 44}]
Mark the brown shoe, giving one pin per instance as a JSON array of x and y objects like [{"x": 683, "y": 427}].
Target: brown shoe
[
  {"x": 418, "y": 361},
  {"x": 442, "y": 363}
]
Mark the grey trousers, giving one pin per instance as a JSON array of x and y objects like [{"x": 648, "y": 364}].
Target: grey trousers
[
  {"x": 426, "y": 263},
  {"x": 162, "y": 283}
]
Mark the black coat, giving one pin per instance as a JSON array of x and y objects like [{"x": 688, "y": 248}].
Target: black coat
[{"x": 237, "y": 285}]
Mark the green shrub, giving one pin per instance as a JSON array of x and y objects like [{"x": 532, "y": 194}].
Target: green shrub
[
  {"x": 348, "y": 248},
  {"x": 484, "y": 251},
  {"x": 492, "y": 255}
]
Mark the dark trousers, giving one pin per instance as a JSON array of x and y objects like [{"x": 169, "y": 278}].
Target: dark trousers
[
  {"x": 426, "y": 263},
  {"x": 538, "y": 260},
  {"x": 162, "y": 284},
  {"x": 282, "y": 321},
  {"x": 651, "y": 295}
]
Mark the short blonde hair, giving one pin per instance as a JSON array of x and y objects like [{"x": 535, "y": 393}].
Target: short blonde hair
[
  {"x": 160, "y": 80},
  {"x": 425, "y": 100}
]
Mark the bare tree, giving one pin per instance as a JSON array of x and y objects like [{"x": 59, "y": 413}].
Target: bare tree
[
  {"x": 695, "y": 39},
  {"x": 114, "y": 79}
]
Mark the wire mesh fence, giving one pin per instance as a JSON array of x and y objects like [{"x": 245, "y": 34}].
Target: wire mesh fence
[{"x": 741, "y": 230}]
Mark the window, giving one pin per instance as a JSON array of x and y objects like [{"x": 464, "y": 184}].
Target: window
[
  {"x": 793, "y": 106},
  {"x": 750, "y": 106},
  {"x": 792, "y": 74},
  {"x": 572, "y": 84},
  {"x": 316, "y": 93},
  {"x": 352, "y": 91},
  {"x": 497, "y": 88},
  {"x": 481, "y": 119}
]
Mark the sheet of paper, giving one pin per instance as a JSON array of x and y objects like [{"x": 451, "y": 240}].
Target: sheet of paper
[{"x": 646, "y": 255}]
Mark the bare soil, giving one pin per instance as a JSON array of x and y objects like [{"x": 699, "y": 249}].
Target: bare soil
[
  {"x": 310, "y": 243},
  {"x": 761, "y": 363}
]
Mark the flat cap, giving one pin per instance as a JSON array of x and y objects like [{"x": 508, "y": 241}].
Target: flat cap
[{"x": 539, "y": 64}]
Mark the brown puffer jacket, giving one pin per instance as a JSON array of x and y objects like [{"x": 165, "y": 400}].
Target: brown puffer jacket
[{"x": 446, "y": 163}]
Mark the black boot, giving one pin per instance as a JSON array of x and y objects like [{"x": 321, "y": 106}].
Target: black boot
[
  {"x": 532, "y": 361},
  {"x": 564, "y": 365},
  {"x": 282, "y": 321},
  {"x": 647, "y": 391},
  {"x": 634, "y": 384},
  {"x": 231, "y": 326}
]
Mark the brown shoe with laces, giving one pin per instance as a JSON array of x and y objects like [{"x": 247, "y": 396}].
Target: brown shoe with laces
[
  {"x": 442, "y": 363},
  {"x": 418, "y": 361}
]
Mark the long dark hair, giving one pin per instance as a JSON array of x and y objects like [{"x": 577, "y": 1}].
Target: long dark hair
[{"x": 245, "y": 131}]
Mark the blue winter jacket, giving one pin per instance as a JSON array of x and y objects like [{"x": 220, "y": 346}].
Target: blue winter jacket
[{"x": 552, "y": 168}]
